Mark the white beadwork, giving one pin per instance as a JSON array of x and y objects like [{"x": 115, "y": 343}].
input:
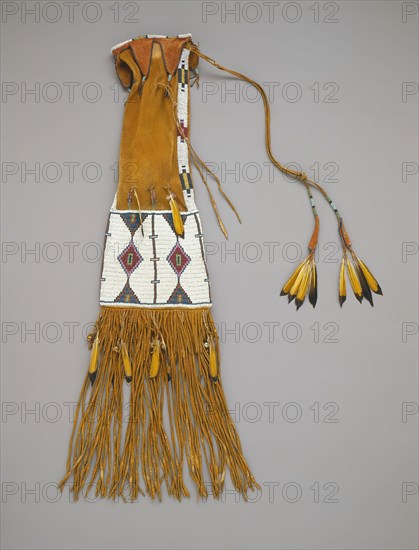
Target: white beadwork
[
  {"x": 182, "y": 115},
  {"x": 193, "y": 279},
  {"x": 121, "y": 44}
]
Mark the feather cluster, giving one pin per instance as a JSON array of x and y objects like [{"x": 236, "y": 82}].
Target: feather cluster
[
  {"x": 361, "y": 279},
  {"x": 301, "y": 282}
]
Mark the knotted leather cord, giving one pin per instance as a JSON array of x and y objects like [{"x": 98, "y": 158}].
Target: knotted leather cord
[{"x": 300, "y": 176}]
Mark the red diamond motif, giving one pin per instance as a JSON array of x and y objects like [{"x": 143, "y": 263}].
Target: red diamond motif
[
  {"x": 178, "y": 259},
  {"x": 130, "y": 258}
]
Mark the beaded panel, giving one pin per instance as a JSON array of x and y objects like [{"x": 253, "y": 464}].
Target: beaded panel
[{"x": 157, "y": 269}]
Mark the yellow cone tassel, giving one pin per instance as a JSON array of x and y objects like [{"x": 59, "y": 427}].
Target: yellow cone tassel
[
  {"x": 177, "y": 218},
  {"x": 126, "y": 362},
  {"x": 213, "y": 363},
  {"x": 94, "y": 359},
  {"x": 342, "y": 283},
  {"x": 371, "y": 280},
  {"x": 353, "y": 279},
  {"x": 155, "y": 360}
]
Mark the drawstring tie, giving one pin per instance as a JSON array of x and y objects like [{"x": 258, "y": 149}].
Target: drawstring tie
[
  {"x": 200, "y": 164},
  {"x": 304, "y": 279}
]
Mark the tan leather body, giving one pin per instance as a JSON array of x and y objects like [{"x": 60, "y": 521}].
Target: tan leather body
[{"x": 148, "y": 148}]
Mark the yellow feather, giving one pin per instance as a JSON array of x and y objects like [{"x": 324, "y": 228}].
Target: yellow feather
[
  {"x": 126, "y": 362},
  {"x": 213, "y": 363},
  {"x": 288, "y": 285},
  {"x": 94, "y": 359},
  {"x": 342, "y": 283},
  {"x": 371, "y": 280},
  {"x": 313, "y": 285},
  {"x": 177, "y": 218},
  {"x": 155, "y": 360},
  {"x": 313, "y": 276},
  {"x": 303, "y": 287},
  {"x": 353, "y": 279},
  {"x": 297, "y": 282}
]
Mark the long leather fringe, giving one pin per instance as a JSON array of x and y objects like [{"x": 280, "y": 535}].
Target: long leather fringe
[{"x": 179, "y": 414}]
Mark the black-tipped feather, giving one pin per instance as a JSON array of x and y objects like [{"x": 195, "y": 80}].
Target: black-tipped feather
[
  {"x": 366, "y": 291},
  {"x": 371, "y": 280},
  {"x": 313, "y": 287}
]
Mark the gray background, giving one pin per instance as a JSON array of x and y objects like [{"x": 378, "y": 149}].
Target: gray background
[{"x": 356, "y": 365}]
